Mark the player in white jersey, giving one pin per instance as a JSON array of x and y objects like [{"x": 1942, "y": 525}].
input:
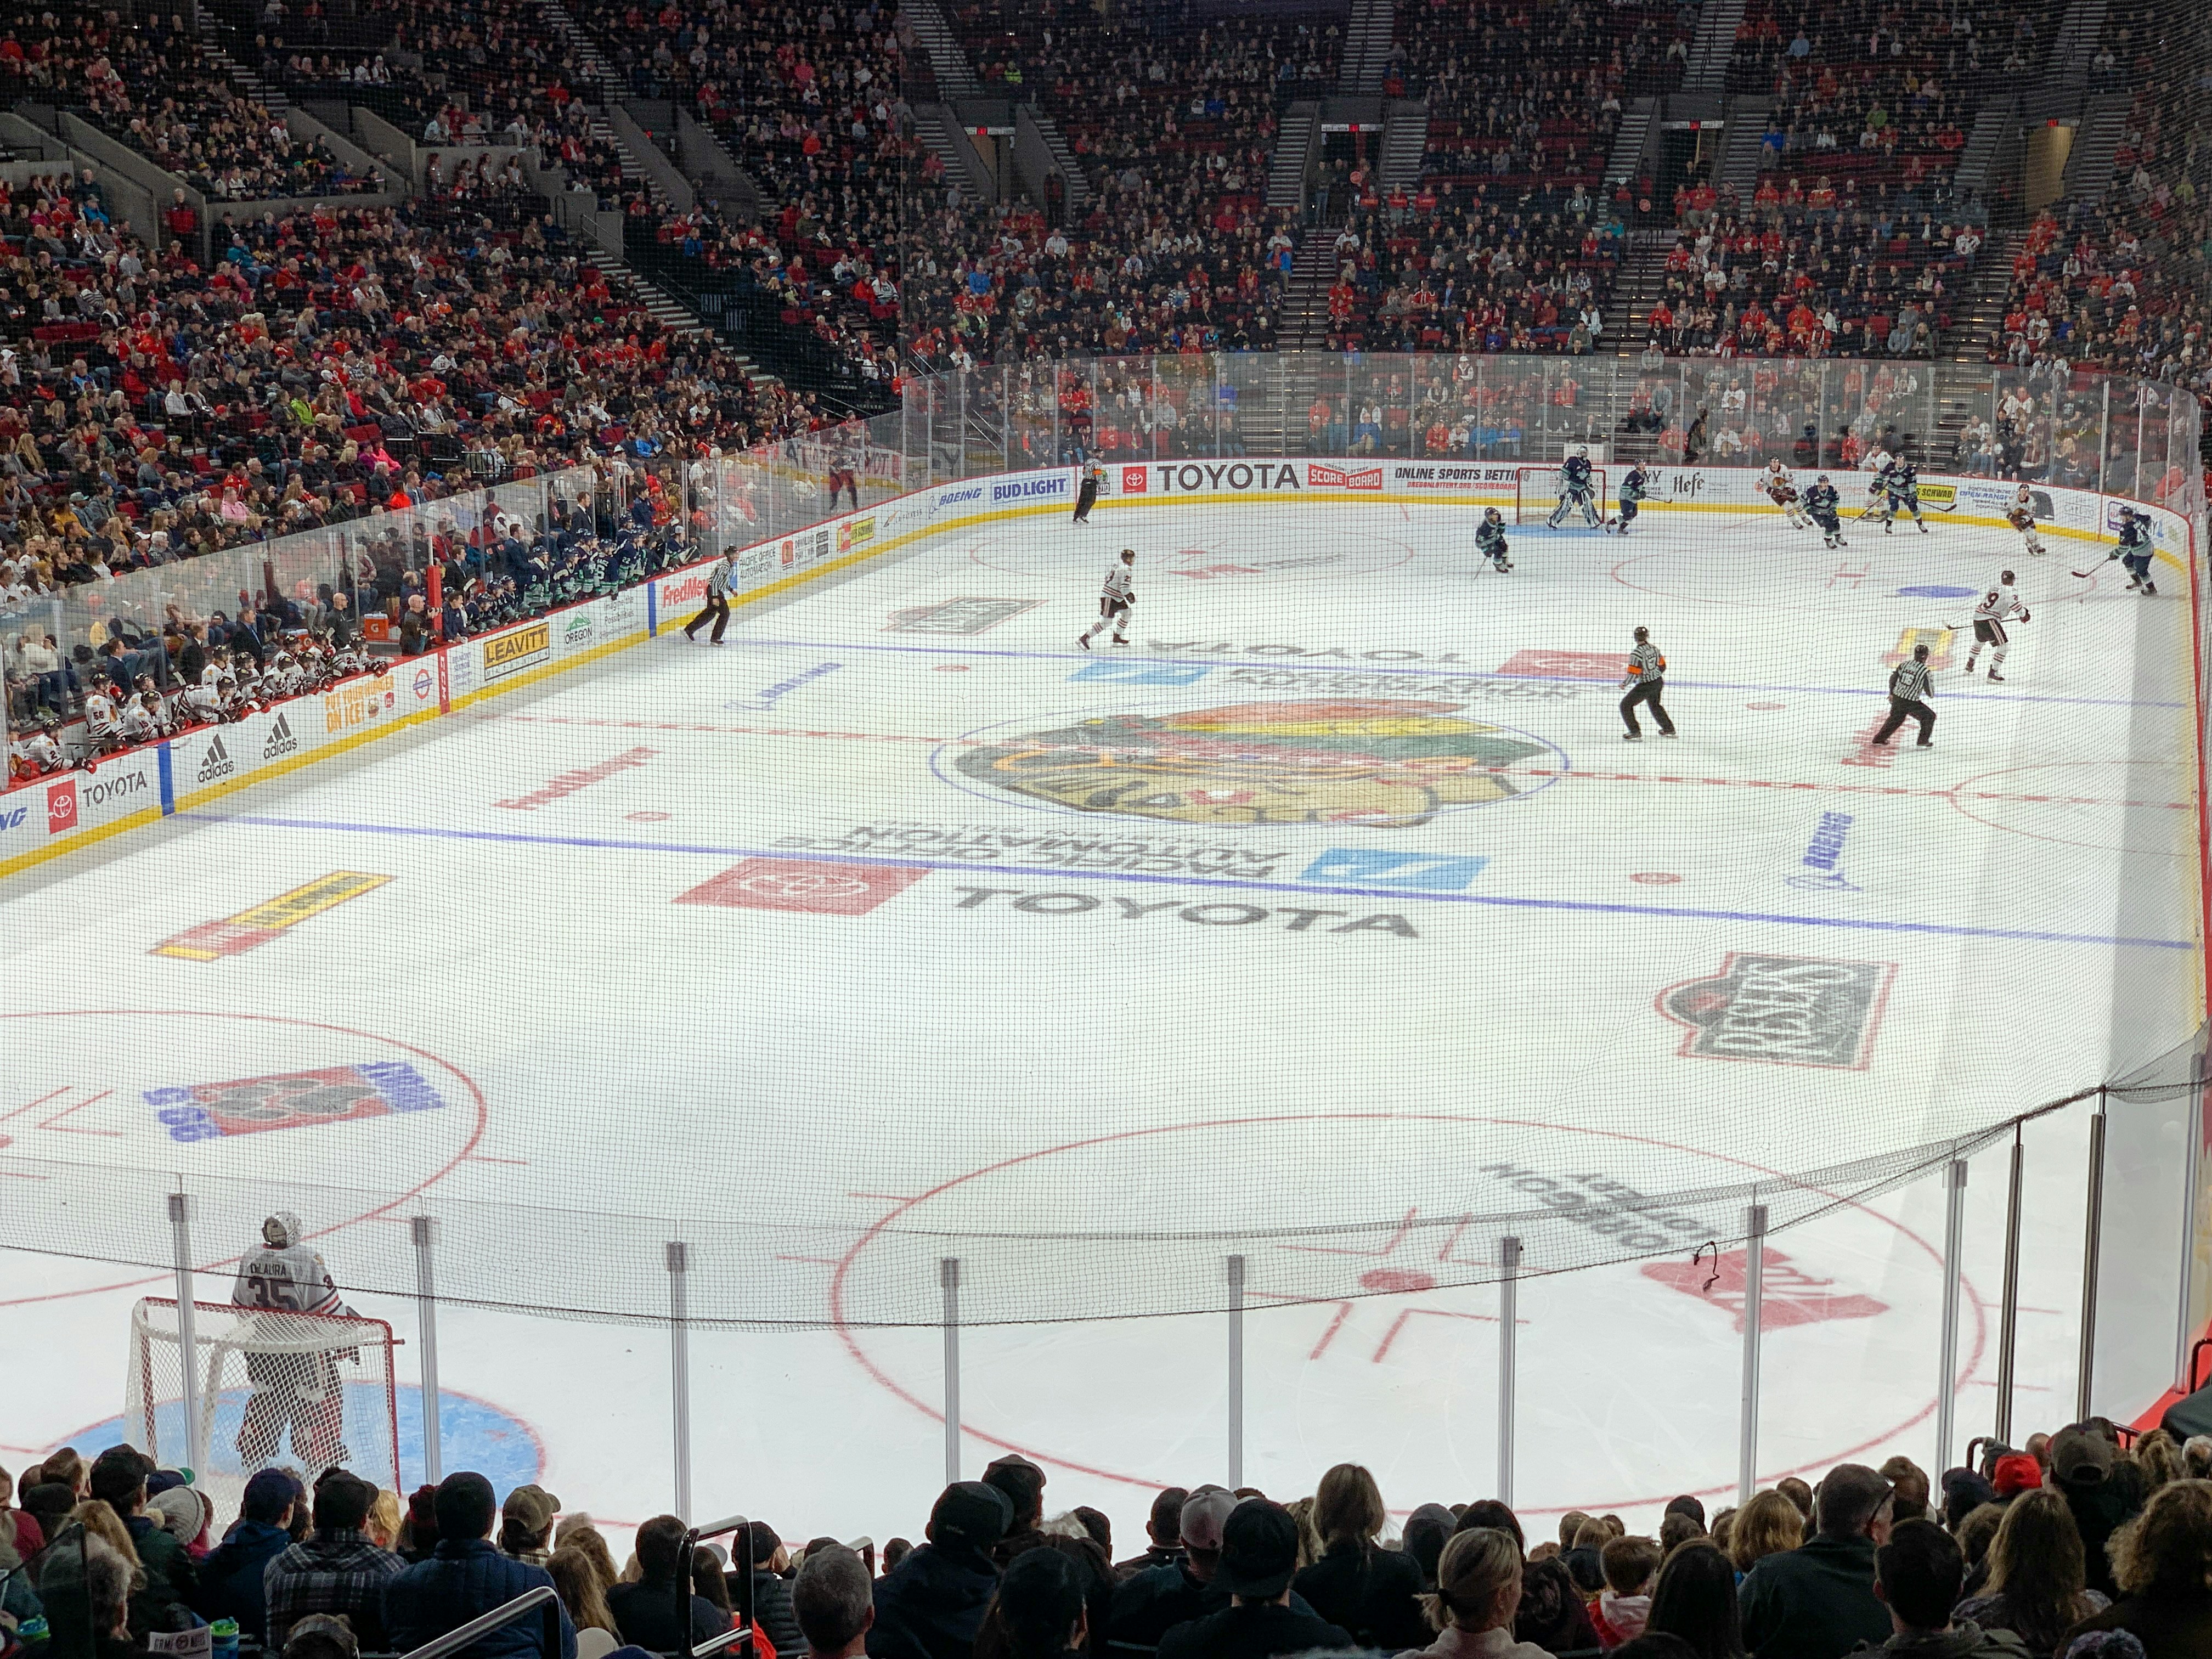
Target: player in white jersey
[
  {"x": 34, "y": 753},
  {"x": 103, "y": 723},
  {"x": 1997, "y": 606},
  {"x": 1115, "y": 595},
  {"x": 2020, "y": 515},
  {"x": 1782, "y": 490},
  {"x": 303, "y": 1391},
  {"x": 1878, "y": 463}
]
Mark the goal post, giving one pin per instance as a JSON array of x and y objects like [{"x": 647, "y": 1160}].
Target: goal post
[
  {"x": 1536, "y": 492},
  {"x": 310, "y": 1390}
]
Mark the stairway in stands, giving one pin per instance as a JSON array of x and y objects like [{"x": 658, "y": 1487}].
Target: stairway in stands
[
  {"x": 1367, "y": 40},
  {"x": 1303, "y": 325},
  {"x": 1977, "y": 315}
]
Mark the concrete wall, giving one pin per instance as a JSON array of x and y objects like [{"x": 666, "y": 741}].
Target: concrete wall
[{"x": 664, "y": 174}]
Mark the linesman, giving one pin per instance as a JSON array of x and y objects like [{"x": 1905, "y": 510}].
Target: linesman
[{"x": 1908, "y": 694}]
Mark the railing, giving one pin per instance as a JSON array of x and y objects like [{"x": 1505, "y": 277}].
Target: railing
[{"x": 506, "y": 1614}]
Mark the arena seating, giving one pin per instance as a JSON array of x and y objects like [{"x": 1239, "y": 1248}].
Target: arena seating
[{"x": 2040, "y": 1551}]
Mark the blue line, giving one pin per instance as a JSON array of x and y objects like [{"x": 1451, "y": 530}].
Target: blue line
[
  {"x": 801, "y": 856},
  {"x": 1437, "y": 671}
]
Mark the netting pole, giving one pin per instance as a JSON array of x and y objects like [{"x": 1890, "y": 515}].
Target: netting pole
[
  {"x": 426, "y": 1331},
  {"x": 2104, "y": 434},
  {"x": 1754, "y": 1275},
  {"x": 188, "y": 1347},
  {"x": 1235, "y": 1372},
  {"x": 948, "y": 1279},
  {"x": 1955, "y": 1242},
  {"x": 1509, "y": 1334},
  {"x": 2091, "y": 1244},
  {"x": 2192, "y": 1167},
  {"x": 679, "y": 1370},
  {"x": 2008, "y": 1314}
]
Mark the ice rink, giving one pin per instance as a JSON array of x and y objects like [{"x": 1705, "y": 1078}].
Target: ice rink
[{"x": 900, "y": 919}]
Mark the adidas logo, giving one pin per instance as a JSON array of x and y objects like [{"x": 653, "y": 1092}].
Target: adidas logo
[
  {"x": 216, "y": 762},
  {"x": 280, "y": 740}
]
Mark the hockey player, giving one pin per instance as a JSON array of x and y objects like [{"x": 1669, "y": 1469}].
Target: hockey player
[
  {"x": 1902, "y": 486},
  {"x": 140, "y": 717},
  {"x": 2020, "y": 515},
  {"x": 1823, "y": 505},
  {"x": 103, "y": 723},
  {"x": 1489, "y": 541},
  {"x": 34, "y": 754},
  {"x": 1633, "y": 489},
  {"x": 1782, "y": 490},
  {"x": 1086, "y": 495},
  {"x": 302, "y": 1392},
  {"x": 1116, "y": 596},
  {"x": 1999, "y": 605},
  {"x": 1647, "y": 676},
  {"x": 2135, "y": 551},
  {"x": 1578, "y": 489}
]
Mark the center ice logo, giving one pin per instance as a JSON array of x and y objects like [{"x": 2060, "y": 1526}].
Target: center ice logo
[{"x": 1382, "y": 763}]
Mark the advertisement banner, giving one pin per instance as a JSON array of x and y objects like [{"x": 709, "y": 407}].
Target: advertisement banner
[{"x": 514, "y": 650}]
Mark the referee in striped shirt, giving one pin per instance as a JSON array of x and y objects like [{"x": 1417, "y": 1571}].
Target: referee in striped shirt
[
  {"x": 1908, "y": 694},
  {"x": 1647, "y": 673}
]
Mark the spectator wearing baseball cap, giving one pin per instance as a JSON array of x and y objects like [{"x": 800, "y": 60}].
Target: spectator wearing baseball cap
[
  {"x": 1258, "y": 1556},
  {"x": 932, "y": 1604},
  {"x": 526, "y": 1525},
  {"x": 119, "y": 1478},
  {"x": 335, "y": 1569},
  {"x": 2014, "y": 1473},
  {"x": 1155, "y": 1601},
  {"x": 2083, "y": 1460},
  {"x": 231, "y": 1579}
]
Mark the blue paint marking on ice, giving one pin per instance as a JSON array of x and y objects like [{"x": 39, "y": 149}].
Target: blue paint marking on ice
[
  {"x": 1661, "y": 912},
  {"x": 1415, "y": 872},
  {"x": 1937, "y": 591},
  {"x": 472, "y": 1434},
  {"x": 1444, "y": 671}
]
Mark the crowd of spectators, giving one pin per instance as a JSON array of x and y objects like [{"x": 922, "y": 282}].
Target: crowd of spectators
[
  {"x": 157, "y": 88},
  {"x": 2070, "y": 1547},
  {"x": 1808, "y": 273}
]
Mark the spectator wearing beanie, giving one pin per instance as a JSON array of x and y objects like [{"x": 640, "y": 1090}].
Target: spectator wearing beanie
[
  {"x": 1369, "y": 1590},
  {"x": 1624, "y": 1604},
  {"x": 336, "y": 1569},
  {"x": 231, "y": 1579},
  {"x": 1162, "y": 1526},
  {"x": 645, "y": 1610},
  {"x": 1259, "y": 1556},
  {"x": 832, "y": 1601},
  {"x": 1023, "y": 1482},
  {"x": 2036, "y": 1583},
  {"x": 1428, "y": 1529},
  {"x": 418, "y": 1533},
  {"x": 465, "y": 1576},
  {"x": 931, "y": 1605},
  {"x": 1477, "y": 1595},
  {"x": 1817, "y": 1601},
  {"x": 772, "y": 1609},
  {"x": 183, "y": 1514},
  {"x": 1917, "y": 1572},
  {"x": 2162, "y": 1560},
  {"x": 2013, "y": 1474}
]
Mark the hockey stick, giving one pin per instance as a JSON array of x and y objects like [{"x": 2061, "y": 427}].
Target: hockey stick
[{"x": 2083, "y": 575}]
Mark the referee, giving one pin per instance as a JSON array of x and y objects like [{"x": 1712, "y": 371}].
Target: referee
[
  {"x": 1647, "y": 673},
  {"x": 717, "y": 601},
  {"x": 1908, "y": 694}
]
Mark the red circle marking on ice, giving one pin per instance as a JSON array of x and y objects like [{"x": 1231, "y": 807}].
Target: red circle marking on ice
[
  {"x": 875, "y": 1229},
  {"x": 1766, "y": 705},
  {"x": 646, "y": 817},
  {"x": 476, "y": 1130},
  {"x": 1655, "y": 878},
  {"x": 1977, "y": 788}
]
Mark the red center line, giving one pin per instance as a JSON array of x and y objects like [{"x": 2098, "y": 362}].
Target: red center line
[{"x": 1496, "y": 771}]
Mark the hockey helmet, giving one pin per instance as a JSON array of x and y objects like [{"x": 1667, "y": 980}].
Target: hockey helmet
[{"x": 1491, "y": 515}]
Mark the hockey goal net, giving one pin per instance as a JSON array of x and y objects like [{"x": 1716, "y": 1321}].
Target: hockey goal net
[
  {"x": 1536, "y": 492},
  {"x": 310, "y": 1390}
]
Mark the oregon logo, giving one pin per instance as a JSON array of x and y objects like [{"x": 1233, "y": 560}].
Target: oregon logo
[{"x": 1383, "y": 763}]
